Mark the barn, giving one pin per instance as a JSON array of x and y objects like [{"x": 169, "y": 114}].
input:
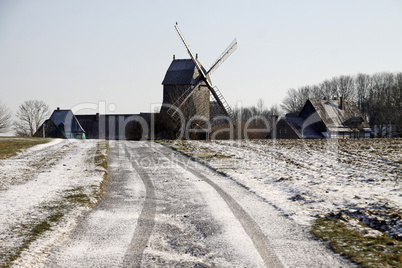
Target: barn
[{"x": 324, "y": 118}]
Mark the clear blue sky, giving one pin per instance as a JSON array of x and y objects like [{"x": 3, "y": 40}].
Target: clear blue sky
[{"x": 76, "y": 51}]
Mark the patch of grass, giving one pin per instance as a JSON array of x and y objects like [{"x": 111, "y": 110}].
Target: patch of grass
[
  {"x": 100, "y": 158},
  {"x": 366, "y": 251},
  {"x": 31, "y": 231},
  {"x": 77, "y": 196},
  {"x": 101, "y": 155},
  {"x": 10, "y": 147}
]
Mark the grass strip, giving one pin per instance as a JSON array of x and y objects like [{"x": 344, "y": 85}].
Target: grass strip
[
  {"x": 30, "y": 232},
  {"x": 10, "y": 147},
  {"x": 366, "y": 251},
  {"x": 101, "y": 157},
  {"x": 53, "y": 212}
]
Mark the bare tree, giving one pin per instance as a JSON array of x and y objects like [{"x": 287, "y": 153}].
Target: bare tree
[
  {"x": 326, "y": 88},
  {"x": 292, "y": 102},
  {"x": 346, "y": 87},
  {"x": 30, "y": 116},
  {"x": 397, "y": 92},
  {"x": 363, "y": 85},
  {"x": 5, "y": 117}
]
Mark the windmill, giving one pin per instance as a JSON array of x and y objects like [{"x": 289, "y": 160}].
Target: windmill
[{"x": 188, "y": 85}]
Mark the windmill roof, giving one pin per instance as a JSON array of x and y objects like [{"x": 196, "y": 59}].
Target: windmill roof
[{"x": 181, "y": 72}]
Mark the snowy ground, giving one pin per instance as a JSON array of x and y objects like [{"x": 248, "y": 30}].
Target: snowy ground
[
  {"x": 161, "y": 209},
  {"x": 310, "y": 178},
  {"x": 45, "y": 189},
  {"x": 42, "y": 191}
]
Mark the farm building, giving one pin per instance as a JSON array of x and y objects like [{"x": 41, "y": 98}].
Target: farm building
[
  {"x": 324, "y": 118},
  {"x": 113, "y": 126},
  {"x": 64, "y": 124},
  {"x": 61, "y": 124}
]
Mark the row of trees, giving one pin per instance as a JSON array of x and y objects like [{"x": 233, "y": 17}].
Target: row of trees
[
  {"x": 30, "y": 115},
  {"x": 378, "y": 96},
  {"x": 256, "y": 120}
]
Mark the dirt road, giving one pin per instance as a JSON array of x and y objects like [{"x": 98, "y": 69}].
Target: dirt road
[{"x": 161, "y": 209}]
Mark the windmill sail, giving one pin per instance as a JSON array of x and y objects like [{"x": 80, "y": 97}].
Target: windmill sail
[
  {"x": 175, "y": 108},
  {"x": 228, "y": 51},
  {"x": 197, "y": 64}
]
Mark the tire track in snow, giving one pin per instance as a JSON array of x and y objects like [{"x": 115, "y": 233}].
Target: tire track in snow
[
  {"x": 193, "y": 225},
  {"x": 146, "y": 220},
  {"x": 252, "y": 229},
  {"x": 101, "y": 236}
]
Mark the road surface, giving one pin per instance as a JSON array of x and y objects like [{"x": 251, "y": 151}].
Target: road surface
[{"x": 161, "y": 209}]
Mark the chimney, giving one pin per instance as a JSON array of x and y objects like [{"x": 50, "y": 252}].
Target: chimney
[
  {"x": 58, "y": 108},
  {"x": 342, "y": 103},
  {"x": 174, "y": 56},
  {"x": 97, "y": 116},
  {"x": 196, "y": 56}
]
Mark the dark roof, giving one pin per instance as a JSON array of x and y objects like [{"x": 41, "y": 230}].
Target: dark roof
[
  {"x": 301, "y": 129},
  {"x": 68, "y": 119},
  {"x": 182, "y": 72}
]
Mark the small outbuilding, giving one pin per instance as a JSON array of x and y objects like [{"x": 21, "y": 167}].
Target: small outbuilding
[{"x": 61, "y": 124}]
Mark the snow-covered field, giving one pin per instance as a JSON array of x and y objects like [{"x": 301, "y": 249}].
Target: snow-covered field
[
  {"x": 306, "y": 179},
  {"x": 42, "y": 191}
]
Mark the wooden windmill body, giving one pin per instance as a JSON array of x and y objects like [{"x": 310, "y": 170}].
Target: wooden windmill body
[{"x": 181, "y": 76}]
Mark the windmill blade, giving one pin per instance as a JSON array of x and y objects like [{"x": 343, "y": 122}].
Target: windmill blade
[
  {"x": 197, "y": 64},
  {"x": 228, "y": 51},
  {"x": 172, "y": 111}
]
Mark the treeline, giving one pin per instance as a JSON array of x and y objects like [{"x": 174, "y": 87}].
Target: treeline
[
  {"x": 378, "y": 96},
  {"x": 259, "y": 110},
  {"x": 29, "y": 117}
]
